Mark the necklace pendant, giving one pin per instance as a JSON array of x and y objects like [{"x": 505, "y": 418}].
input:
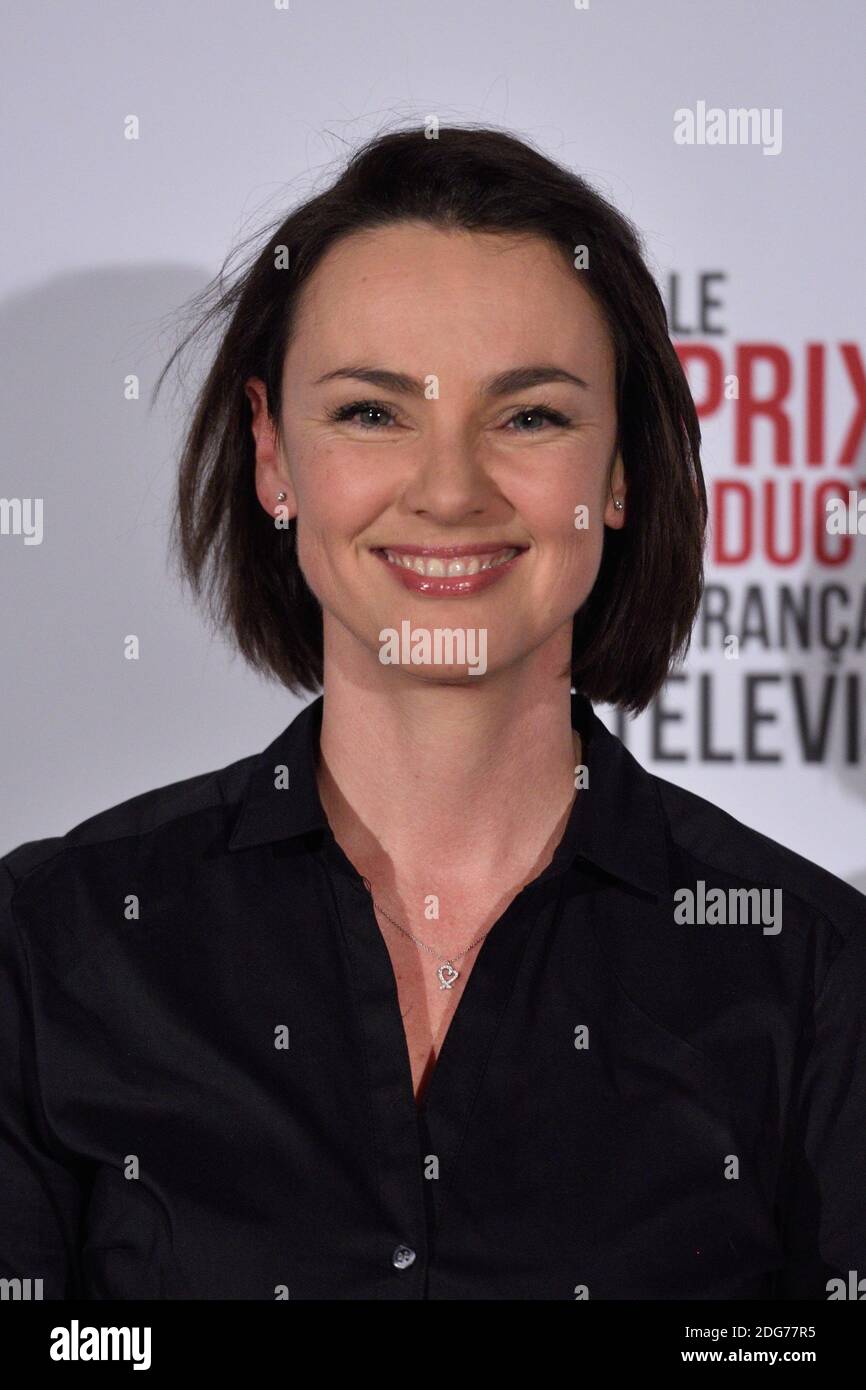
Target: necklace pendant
[{"x": 447, "y": 975}]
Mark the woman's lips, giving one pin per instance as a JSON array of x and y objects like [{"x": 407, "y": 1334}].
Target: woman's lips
[{"x": 449, "y": 570}]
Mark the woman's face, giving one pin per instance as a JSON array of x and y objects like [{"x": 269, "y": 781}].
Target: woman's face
[{"x": 422, "y": 411}]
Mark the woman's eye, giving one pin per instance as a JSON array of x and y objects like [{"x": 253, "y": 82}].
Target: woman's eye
[
  {"x": 373, "y": 415},
  {"x": 536, "y": 414},
  {"x": 362, "y": 408}
]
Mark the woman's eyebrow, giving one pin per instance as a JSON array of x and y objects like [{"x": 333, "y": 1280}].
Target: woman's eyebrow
[{"x": 503, "y": 384}]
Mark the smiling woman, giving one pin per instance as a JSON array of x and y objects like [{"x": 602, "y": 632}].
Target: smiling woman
[
  {"x": 443, "y": 275},
  {"x": 404, "y": 1007},
  {"x": 461, "y": 462}
]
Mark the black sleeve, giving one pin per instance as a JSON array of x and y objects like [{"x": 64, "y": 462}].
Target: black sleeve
[
  {"x": 824, "y": 1193},
  {"x": 40, "y": 1195}
]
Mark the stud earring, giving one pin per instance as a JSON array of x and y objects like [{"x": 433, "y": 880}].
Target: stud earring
[
  {"x": 281, "y": 497},
  {"x": 618, "y": 504}
]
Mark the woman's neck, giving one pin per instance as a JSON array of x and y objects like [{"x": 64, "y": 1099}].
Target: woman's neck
[{"x": 415, "y": 776}]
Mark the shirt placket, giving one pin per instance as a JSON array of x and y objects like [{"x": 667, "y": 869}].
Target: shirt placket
[
  {"x": 403, "y": 1251},
  {"x": 409, "y": 1137}
]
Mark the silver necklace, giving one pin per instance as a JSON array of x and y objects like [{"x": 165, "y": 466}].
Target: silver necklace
[{"x": 447, "y": 972}]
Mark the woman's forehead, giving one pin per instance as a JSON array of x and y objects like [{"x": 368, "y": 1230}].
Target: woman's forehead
[{"x": 412, "y": 289}]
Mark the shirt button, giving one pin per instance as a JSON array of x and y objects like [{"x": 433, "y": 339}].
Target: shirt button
[{"x": 403, "y": 1257}]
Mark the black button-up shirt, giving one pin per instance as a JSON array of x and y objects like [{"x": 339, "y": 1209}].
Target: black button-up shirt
[{"x": 206, "y": 1090}]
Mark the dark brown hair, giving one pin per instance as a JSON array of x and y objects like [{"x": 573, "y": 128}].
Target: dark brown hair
[{"x": 636, "y": 623}]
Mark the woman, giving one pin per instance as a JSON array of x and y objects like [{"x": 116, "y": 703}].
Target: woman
[{"x": 405, "y": 1006}]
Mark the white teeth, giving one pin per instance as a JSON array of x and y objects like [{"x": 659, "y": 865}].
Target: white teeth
[
  {"x": 432, "y": 567},
  {"x": 493, "y": 561}
]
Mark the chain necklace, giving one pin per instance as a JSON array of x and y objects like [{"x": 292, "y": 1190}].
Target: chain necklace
[{"x": 447, "y": 972}]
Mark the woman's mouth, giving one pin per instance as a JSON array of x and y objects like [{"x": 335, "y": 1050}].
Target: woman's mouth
[{"x": 448, "y": 570}]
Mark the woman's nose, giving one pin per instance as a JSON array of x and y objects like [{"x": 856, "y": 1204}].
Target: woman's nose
[{"x": 450, "y": 480}]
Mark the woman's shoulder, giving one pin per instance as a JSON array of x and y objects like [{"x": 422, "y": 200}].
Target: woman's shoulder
[
  {"x": 106, "y": 850},
  {"x": 714, "y": 844}
]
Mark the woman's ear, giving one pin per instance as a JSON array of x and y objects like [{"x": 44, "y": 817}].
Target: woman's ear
[
  {"x": 273, "y": 483},
  {"x": 615, "y": 507}
]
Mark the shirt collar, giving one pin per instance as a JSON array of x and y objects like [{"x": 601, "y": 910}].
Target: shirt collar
[{"x": 616, "y": 823}]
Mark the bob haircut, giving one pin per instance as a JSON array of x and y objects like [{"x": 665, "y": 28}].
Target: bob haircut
[{"x": 636, "y": 622}]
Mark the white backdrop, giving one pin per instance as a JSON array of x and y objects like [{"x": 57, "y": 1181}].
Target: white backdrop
[{"x": 243, "y": 108}]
